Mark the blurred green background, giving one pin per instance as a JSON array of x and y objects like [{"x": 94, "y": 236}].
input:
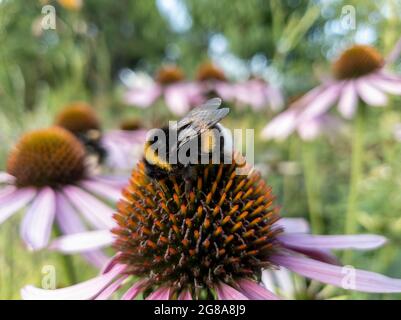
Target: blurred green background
[{"x": 99, "y": 44}]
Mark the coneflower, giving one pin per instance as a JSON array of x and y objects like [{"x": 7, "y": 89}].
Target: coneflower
[
  {"x": 48, "y": 175},
  {"x": 178, "y": 94},
  {"x": 213, "y": 242},
  {"x": 116, "y": 149},
  {"x": 258, "y": 94},
  {"x": 358, "y": 74}
]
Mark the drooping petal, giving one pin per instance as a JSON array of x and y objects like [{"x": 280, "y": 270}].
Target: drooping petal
[
  {"x": 370, "y": 94},
  {"x": 38, "y": 221},
  {"x": 322, "y": 102},
  {"x": 69, "y": 222},
  {"x": 386, "y": 85},
  {"x": 348, "y": 100},
  {"x": 103, "y": 190},
  {"x": 281, "y": 126},
  {"x": 361, "y": 242},
  {"x": 82, "y": 242},
  {"x": 134, "y": 290},
  {"x": 226, "y": 292},
  {"x": 82, "y": 291},
  {"x": 96, "y": 212},
  {"x": 283, "y": 278},
  {"x": 6, "y": 177},
  {"x": 293, "y": 225},
  {"x": 226, "y": 91},
  {"x": 268, "y": 280},
  {"x": 12, "y": 202},
  {"x": 113, "y": 287},
  {"x": 185, "y": 295},
  {"x": 345, "y": 277},
  {"x": 255, "y": 291},
  {"x": 143, "y": 97},
  {"x": 177, "y": 99},
  {"x": 162, "y": 293}
]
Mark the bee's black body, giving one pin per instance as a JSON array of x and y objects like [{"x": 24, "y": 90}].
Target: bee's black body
[{"x": 199, "y": 122}]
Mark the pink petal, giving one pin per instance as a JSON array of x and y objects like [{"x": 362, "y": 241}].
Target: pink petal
[
  {"x": 143, "y": 97},
  {"x": 177, "y": 100},
  {"x": 361, "y": 242},
  {"x": 185, "y": 295},
  {"x": 6, "y": 178},
  {"x": 226, "y": 91},
  {"x": 281, "y": 126},
  {"x": 386, "y": 85},
  {"x": 160, "y": 294},
  {"x": 348, "y": 100},
  {"x": 293, "y": 225},
  {"x": 81, "y": 242},
  {"x": 310, "y": 129},
  {"x": 345, "y": 277},
  {"x": 103, "y": 190},
  {"x": 255, "y": 291},
  {"x": 82, "y": 291},
  {"x": 70, "y": 223},
  {"x": 370, "y": 94},
  {"x": 95, "y": 211},
  {"x": 134, "y": 290},
  {"x": 284, "y": 280},
  {"x": 225, "y": 292},
  {"x": 113, "y": 287},
  {"x": 38, "y": 221},
  {"x": 11, "y": 203},
  {"x": 395, "y": 53},
  {"x": 322, "y": 102}
]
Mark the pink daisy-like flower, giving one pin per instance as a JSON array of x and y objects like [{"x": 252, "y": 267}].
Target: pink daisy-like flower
[
  {"x": 118, "y": 150},
  {"x": 258, "y": 94},
  {"x": 178, "y": 94},
  {"x": 211, "y": 81},
  {"x": 47, "y": 175},
  {"x": 359, "y": 74},
  {"x": 213, "y": 242}
]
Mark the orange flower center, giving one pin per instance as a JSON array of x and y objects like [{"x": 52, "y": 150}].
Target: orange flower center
[
  {"x": 169, "y": 74},
  {"x": 79, "y": 118},
  {"x": 222, "y": 230},
  {"x": 47, "y": 157},
  {"x": 209, "y": 71},
  {"x": 357, "y": 61}
]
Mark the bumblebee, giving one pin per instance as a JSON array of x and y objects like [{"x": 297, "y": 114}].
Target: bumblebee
[{"x": 195, "y": 140}]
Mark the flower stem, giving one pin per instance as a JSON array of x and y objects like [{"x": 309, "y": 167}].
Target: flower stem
[
  {"x": 312, "y": 186},
  {"x": 355, "y": 178},
  {"x": 67, "y": 262}
]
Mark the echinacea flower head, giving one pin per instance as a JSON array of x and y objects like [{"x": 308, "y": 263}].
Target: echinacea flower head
[
  {"x": 359, "y": 74},
  {"x": 208, "y": 71},
  {"x": 186, "y": 242},
  {"x": 357, "y": 61},
  {"x": 49, "y": 157},
  {"x": 78, "y": 117},
  {"x": 169, "y": 74},
  {"x": 48, "y": 175},
  {"x": 170, "y": 84},
  {"x": 116, "y": 149},
  {"x": 217, "y": 240}
]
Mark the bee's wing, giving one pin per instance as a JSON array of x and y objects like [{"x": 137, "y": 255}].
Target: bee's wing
[
  {"x": 201, "y": 121},
  {"x": 212, "y": 104}
]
